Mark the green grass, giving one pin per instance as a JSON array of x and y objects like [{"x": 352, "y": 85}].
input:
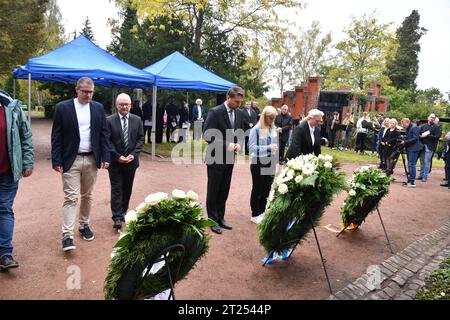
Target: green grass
[{"x": 438, "y": 287}]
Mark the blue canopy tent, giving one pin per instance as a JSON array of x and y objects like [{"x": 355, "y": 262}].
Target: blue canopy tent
[
  {"x": 178, "y": 72},
  {"x": 82, "y": 58}
]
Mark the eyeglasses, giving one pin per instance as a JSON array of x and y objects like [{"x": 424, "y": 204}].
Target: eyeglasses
[{"x": 87, "y": 91}]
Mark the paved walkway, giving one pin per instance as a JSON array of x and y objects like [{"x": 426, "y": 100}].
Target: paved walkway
[{"x": 403, "y": 274}]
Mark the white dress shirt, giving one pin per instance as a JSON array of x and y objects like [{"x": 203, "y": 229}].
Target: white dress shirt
[{"x": 311, "y": 132}]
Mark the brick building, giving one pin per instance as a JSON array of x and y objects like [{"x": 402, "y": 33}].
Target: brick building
[{"x": 308, "y": 96}]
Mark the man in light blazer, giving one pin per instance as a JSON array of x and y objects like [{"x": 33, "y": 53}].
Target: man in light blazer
[
  {"x": 221, "y": 132},
  {"x": 307, "y": 137},
  {"x": 80, "y": 146},
  {"x": 126, "y": 141}
]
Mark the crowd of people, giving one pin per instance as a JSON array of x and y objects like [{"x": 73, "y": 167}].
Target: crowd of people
[{"x": 84, "y": 140}]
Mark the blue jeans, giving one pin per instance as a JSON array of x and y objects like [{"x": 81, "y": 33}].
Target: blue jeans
[
  {"x": 425, "y": 162},
  {"x": 412, "y": 162},
  {"x": 8, "y": 190}
]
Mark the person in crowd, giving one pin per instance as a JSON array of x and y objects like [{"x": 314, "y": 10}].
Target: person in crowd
[
  {"x": 376, "y": 126},
  {"x": 254, "y": 105},
  {"x": 263, "y": 153},
  {"x": 147, "y": 116},
  {"x": 225, "y": 119},
  {"x": 159, "y": 132},
  {"x": 382, "y": 147},
  {"x": 413, "y": 147},
  {"x": 307, "y": 137},
  {"x": 172, "y": 119},
  {"x": 198, "y": 115},
  {"x": 183, "y": 122},
  {"x": 362, "y": 129},
  {"x": 16, "y": 161},
  {"x": 446, "y": 158},
  {"x": 283, "y": 122},
  {"x": 389, "y": 142},
  {"x": 126, "y": 141},
  {"x": 250, "y": 120},
  {"x": 136, "y": 110},
  {"x": 80, "y": 145},
  {"x": 429, "y": 137},
  {"x": 348, "y": 123},
  {"x": 334, "y": 127}
]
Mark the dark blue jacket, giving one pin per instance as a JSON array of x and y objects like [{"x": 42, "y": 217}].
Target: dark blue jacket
[
  {"x": 412, "y": 141},
  {"x": 66, "y": 135}
]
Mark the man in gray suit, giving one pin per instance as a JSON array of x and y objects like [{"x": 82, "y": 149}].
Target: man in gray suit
[{"x": 126, "y": 141}]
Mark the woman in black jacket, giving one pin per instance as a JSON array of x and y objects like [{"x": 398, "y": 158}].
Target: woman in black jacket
[{"x": 389, "y": 142}]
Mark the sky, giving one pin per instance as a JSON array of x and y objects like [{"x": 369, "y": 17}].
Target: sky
[{"x": 333, "y": 15}]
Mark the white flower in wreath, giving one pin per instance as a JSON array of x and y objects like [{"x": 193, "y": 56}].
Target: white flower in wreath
[
  {"x": 141, "y": 208},
  {"x": 131, "y": 216},
  {"x": 298, "y": 179},
  {"x": 321, "y": 157},
  {"x": 308, "y": 169},
  {"x": 364, "y": 168},
  {"x": 283, "y": 189},
  {"x": 154, "y": 199},
  {"x": 328, "y": 158},
  {"x": 352, "y": 193},
  {"x": 328, "y": 165},
  {"x": 192, "y": 195},
  {"x": 271, "y": 195},
  {"x": 290, "y": 173},
  {"x": 179, "y": 194},
  {"x": 193, "y": 204}
]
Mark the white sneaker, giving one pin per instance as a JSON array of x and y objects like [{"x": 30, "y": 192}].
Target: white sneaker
[{"x": 254, "y": 219}]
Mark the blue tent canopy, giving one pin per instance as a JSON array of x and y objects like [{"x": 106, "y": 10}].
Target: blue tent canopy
[
  {"x": 82, "y": 58},
  {"x": 178, "y": 72}
]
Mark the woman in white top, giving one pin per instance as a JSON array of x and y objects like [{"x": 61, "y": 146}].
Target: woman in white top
[{"x": 263, "y": 147}]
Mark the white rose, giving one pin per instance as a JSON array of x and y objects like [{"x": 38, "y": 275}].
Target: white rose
[
  {"x": 328, "y": 158},
  {"x": 290, "y": 173},
  {"x": 328, "y": 165},
  {"x": 298, "y": 179},
  {"x": 141, "y": 208},
  {"x": 154, "y": 199},
  {"x": 192, "y": 195},
  {"x": 193, "y": 203},
  {"x": 364, "y": 168},
  {"x": 178, "y": 194},
  {"x": 321, "y": 156},
  {"x": 352, "y": 193},
  {"x": 130, "y": 216},
  {"x": 279, "y": 180},
  {"x": 308, "y": 169},
  {"x": 271, "y": 195},
  {"x": 283, "y": 189}
]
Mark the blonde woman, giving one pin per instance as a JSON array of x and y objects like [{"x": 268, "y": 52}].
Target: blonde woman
[{"x": 263, "y": 146}]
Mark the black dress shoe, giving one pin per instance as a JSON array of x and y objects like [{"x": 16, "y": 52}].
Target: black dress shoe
[
  {"x": 7, "y": 262},
  {"x": 445, "y": 185},
  {"x": 224, "y": 225},
  {"x": 117, "y": 224},
  {"x": 216, "y": 229}
]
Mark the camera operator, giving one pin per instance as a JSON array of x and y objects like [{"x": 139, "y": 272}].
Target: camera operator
[
  {"x": 389, "y": 142},
  {"x": 413, "y": 147},
  {"x": 429, "y": 136}
]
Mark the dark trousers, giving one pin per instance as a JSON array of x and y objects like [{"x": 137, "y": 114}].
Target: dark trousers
[
  {"x": 332, "y": 138},
  {"x": 219, "y": 180},
  {"x": 121, "y": 177},
  {"x": 169, "y": 130},
  {"x": 8, "y": 191},
  {"x": 159, "y": 132},
  {"x": 360, "y": 142},
  {"x": 246, "y": 145},
  {"x": 382, "y": 153},
  {"x": 261, "y": 183},
  {"x": 412, "y": 163},
  {"x": 282, "y": 149},
  {"x": 447, "y": 166},
  {"x": 148, "y": 133}
]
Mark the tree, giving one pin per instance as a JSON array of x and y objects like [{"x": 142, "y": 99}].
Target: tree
[
  {"x": 311, "y": 51},
  {"x": 404, "y": 67},
  {"x": 87, "y": 30},
  {"x": 53, "y": 30},
  {"x": 282, "y": 59},
  {"x": 21, "y": 31},
  {"x": 361, "y": 56}
]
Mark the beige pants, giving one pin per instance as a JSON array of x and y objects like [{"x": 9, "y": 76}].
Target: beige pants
[{"x": 80, "y": 179}]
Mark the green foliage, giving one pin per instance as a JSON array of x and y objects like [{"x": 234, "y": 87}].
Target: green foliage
[
  {"x": 366, "y": 188},
  {"x": 438, "y": 287},
  {"x": 299, "y": 193},
  {"x": 404, "y": 67},
  {"x": 21, "y": 31},
  {"x": 87, "y": 30},
  {"x": 158, "y": 223}
]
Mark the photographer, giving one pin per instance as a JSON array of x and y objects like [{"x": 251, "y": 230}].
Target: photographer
[
  {"x": 429, "y": 136},
  {"x": 389, "y": 142},
  {"x": 446, "y": 157},
  {"x": 413, "y": 147}
]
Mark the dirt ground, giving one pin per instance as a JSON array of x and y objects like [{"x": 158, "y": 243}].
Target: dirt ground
[{"x": 231, "y": 269}]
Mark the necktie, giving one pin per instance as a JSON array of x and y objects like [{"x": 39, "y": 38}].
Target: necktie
[
  {"x": 269, "y": 142},
  {"x": 125, "y": 132},
  {"x": 231, "y": 112}
]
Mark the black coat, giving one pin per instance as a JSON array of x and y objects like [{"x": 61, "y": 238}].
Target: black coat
[
  {"x": 215, "y": 133},
  {"x": 302, "y": 143},
  {"x": 249, "y": 119},
  {"x": 66, "y": 135},
  {"x": 285, "y": 123},
  {"x": 135, "y": 138}
]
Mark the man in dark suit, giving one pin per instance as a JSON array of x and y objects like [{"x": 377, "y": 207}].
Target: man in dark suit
[
  {"x": 147, "y": 111},
  {"x": 283, "y": 122},
  {"x": 250, "y": 120},
  {"x": 307, "y": 137},
  {"x": 198, "y": 116},
  {"x": 80, "y": 146},
  {"x": 413, "y": 147},
  {"x": 221, "y": 131},
  {"x": 172, "y": 121},
  {"x": 126, "y": 141}
]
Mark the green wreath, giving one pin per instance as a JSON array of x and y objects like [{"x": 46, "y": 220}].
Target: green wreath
[
  {"x": 368, "y": 186},
  {"x": 156, "y": 224},
  {"x": 301, "y": 192}
]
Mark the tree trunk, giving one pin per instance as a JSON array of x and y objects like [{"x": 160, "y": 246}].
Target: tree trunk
[{"x": 198, "y": 32}]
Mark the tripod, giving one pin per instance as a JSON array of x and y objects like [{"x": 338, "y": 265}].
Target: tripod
[{"x": 394, "y": 162}]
